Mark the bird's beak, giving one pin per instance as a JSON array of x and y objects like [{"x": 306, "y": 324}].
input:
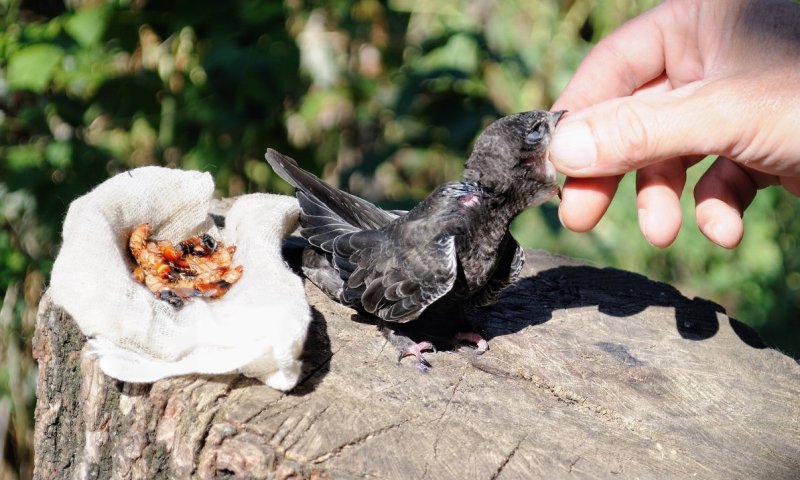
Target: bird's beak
[{"x": 557, "y": 116}]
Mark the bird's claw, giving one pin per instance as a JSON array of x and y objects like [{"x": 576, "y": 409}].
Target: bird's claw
[
  {"x": 472, "y": 337},
  {"x": 416, "y": 350}
]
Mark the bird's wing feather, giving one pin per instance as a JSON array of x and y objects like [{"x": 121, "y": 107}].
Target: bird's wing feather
[
  {"x": 317, "y": 267},
  {"x": 321, "y": 226},
  {"x": 509, "y": 266},
  {"x": 395, "y": 283},
  {"x": 326, "y": 202},
  {"x": 385, "y": 275}
]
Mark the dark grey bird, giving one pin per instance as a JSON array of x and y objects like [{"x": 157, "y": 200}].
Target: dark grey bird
[{"x": 417, "y": 271}]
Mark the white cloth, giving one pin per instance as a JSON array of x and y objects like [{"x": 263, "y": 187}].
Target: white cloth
[{"x": 257, "y": 328}]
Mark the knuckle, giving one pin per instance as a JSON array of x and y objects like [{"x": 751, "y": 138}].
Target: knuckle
[{"x": 634, "y": 142}]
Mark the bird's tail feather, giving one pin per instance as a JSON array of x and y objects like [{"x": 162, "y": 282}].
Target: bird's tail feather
[{"x": 324, "y": 204}]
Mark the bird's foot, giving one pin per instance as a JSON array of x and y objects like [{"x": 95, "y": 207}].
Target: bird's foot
[
  {"x": 416, "y": 350},
  {"x": 472, "y": 337}
]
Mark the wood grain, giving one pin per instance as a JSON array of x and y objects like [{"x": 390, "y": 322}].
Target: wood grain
[{"x": 591, "y": 373}]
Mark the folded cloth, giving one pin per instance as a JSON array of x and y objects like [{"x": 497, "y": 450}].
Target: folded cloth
[{"x": 257, "y": 328}]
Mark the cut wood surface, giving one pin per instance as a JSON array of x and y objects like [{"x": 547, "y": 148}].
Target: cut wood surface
[{"x": 591, "y": 373}]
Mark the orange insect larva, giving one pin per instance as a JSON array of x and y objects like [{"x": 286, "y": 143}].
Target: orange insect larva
[
  {"x": 163, "y": 270},
  {"x": 197, "y": 266}
]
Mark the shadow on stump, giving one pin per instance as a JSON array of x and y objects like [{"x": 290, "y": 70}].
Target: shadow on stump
[{"x": 532, "y": 300}]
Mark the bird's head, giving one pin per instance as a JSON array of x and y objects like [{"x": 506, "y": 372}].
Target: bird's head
[{"x": 512, "y": 155}]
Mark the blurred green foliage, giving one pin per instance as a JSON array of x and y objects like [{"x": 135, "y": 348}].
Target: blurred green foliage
[{"x": 381, "y": 97}]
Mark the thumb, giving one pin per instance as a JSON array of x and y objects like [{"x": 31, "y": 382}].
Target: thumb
[{"x": 625, "y": 134}]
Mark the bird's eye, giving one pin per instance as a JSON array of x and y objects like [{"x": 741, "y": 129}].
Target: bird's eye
[{"x": 534, "y": 136}]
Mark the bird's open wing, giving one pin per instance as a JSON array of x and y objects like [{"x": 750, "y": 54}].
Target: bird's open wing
[
  {"x": 327, "y": 211},
  {"x": 394, "y": 282},
  {"x": 509, "y": 265}
]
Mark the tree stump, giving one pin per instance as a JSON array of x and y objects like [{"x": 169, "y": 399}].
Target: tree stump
[{"x": 591, "y": 372}]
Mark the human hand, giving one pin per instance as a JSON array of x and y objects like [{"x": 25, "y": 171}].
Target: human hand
[{"x": 686, "y": 79}]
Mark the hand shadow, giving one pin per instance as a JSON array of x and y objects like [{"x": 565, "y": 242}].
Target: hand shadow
[{"x": 532, "y": 300}]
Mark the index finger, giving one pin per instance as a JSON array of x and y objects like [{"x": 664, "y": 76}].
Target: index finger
[{"x": 618, "y": 65}]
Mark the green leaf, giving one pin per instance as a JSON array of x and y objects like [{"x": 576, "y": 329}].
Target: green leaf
[
  {"x": 59, "y": 154},
  {"x": 23, "y": 156},
  {"x": 32, "y": 67},
  {"x": 88, "y": 25},
  {"x": 459, "y": 53}
]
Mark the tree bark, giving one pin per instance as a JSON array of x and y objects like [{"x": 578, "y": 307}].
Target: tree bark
[{"x": 591, "y": 372}]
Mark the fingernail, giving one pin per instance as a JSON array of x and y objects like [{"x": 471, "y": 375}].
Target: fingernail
[
  {"x": 712, "y": 231},
  {"x": 718, "y": 232},
  {"x": 573, "y": 148}
]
